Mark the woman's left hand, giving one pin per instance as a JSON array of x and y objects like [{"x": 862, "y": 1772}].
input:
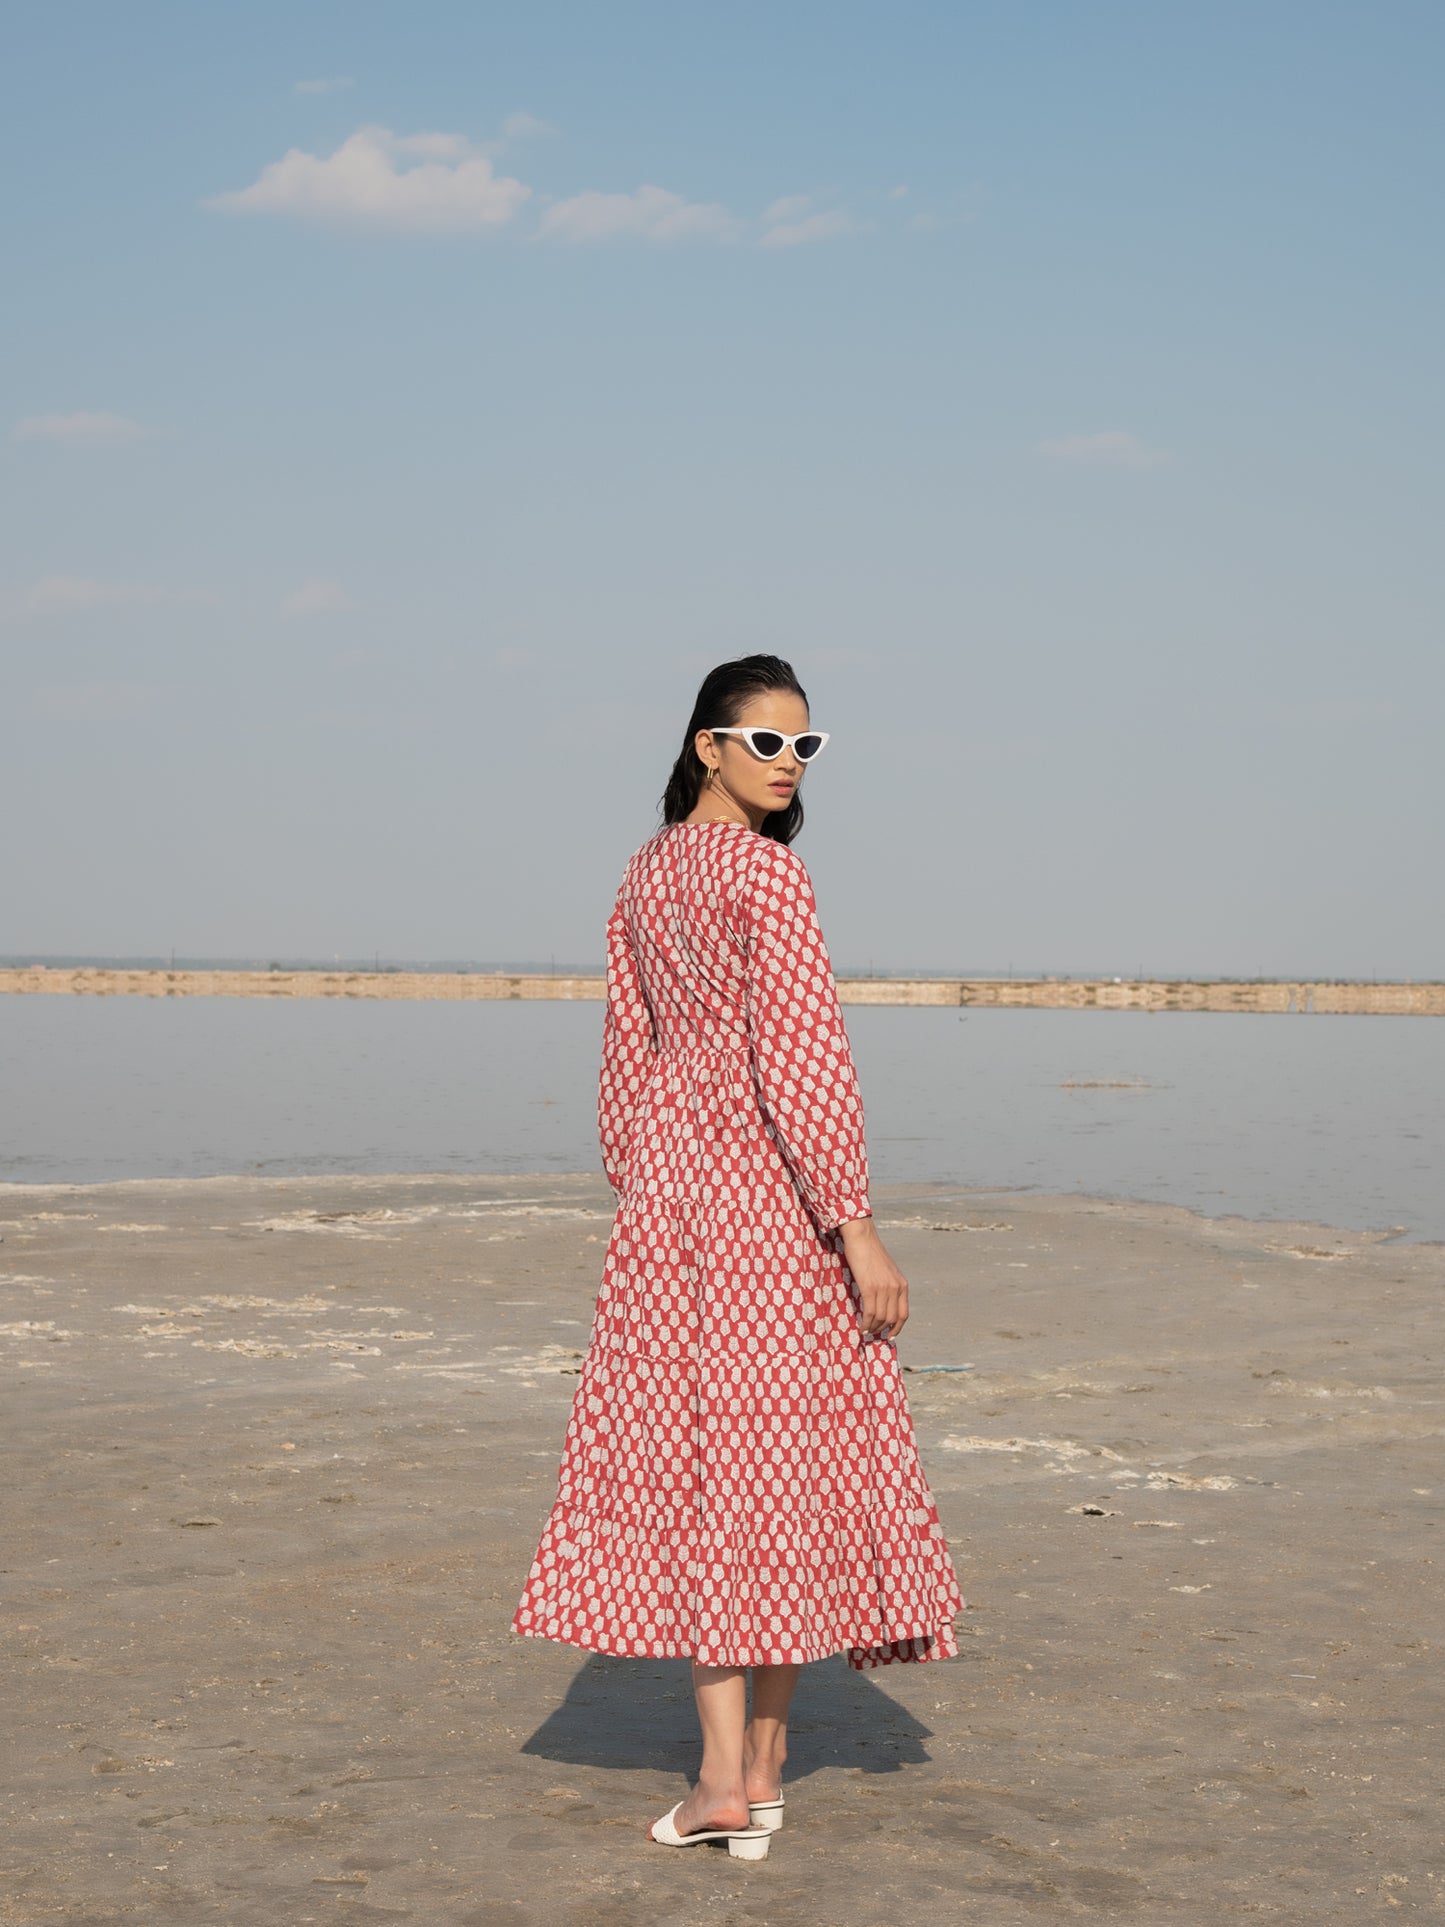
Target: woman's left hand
[{"x": 882, "y": 1288}]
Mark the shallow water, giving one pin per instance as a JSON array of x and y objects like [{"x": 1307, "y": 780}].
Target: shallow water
[{"x": 1339, "y": 1120}]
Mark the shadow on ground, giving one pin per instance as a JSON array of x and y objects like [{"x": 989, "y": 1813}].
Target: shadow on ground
[{"x": 638, "y": 1713}]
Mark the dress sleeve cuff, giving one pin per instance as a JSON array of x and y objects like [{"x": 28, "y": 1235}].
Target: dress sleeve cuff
[{"x": 846, "y": 1210}]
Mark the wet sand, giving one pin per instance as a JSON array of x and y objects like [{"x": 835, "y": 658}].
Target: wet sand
[{"x": 277, "y": 1454}]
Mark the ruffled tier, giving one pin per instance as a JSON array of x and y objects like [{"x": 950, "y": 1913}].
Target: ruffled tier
[
  {"x": 783, "y": 1589},
  {"x": 740, "y": 1481}
]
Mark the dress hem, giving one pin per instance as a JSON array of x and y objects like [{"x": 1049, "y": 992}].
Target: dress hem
[{"x": 936, "y": 1642}]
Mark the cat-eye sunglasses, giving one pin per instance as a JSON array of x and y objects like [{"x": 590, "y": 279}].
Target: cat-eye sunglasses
[{"x": 768, "y": 744}]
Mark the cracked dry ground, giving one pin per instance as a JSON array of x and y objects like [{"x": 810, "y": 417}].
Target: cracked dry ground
[{"x": 277, "y": 1453}]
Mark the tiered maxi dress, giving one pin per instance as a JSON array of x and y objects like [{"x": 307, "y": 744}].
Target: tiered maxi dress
[{"x": 740, "y": 1480}]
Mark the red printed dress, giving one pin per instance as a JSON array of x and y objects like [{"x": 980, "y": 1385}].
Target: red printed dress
[{"x": 740, "y": 1481}]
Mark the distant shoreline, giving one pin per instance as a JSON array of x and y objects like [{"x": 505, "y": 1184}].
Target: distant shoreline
[{"x": 1268, "y": 996}]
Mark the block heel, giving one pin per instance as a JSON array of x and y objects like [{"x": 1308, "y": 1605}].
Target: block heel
[{"x": 750, "y": 1846}]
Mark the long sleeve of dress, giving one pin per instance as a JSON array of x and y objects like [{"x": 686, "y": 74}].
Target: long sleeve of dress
[
  {"x": 628, "y": 1049},
  {"x": 802, "y": 1061}
]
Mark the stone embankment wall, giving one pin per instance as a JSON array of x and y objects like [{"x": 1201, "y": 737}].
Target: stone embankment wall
[
  {"x": 408, "y": 986},
  {"x": 1049, "y": 993}
]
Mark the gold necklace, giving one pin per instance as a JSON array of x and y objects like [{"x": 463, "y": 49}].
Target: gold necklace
[{"x": 714, "y": 789}]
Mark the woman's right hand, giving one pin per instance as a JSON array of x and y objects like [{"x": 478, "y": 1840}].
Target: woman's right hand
[{"x": 882, "y": 1288}]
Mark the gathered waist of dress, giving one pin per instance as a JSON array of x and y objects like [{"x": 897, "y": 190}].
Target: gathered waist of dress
[{"x": 695, "y": 1049}]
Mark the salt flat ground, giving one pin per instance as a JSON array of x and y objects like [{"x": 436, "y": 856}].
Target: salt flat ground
[{"x": 277, "y": 1452}]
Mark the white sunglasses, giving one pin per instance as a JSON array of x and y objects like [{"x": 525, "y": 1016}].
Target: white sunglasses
[{"x": 768, "y": 744}]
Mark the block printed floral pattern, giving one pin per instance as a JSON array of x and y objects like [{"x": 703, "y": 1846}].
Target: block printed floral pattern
[{"x": 740, "y": 1480}]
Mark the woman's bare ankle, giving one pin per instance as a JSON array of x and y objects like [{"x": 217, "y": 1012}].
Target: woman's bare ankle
[
  {"x": 714, "y": 1803},
  {"x": 763, "y": 1769}
]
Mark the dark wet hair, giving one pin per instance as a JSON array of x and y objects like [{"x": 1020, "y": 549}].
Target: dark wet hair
[{"x": 725, "y": 693}]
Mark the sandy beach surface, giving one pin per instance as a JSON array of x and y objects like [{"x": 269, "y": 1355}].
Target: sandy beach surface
[{"x": 276, "y": 1457}]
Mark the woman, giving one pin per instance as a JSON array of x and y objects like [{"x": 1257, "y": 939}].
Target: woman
[{"x": 740, "y": 1481}]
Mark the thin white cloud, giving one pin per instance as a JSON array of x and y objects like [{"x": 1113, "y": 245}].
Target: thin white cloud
[
  {"x": 526, "y": 127},
  {"x": 826, "y": 225},
  {"x": 433, "y": 147},
  {"x": 64, "y": 594},
  {"x": 1112, "y": 448},
  {"x": 82, "y": 425},
  {"x": 335, "y": 85},
  {"x": 319, "y": 596},
  {"x": 447, "y": 182},
  {"x": 790, "y": 208},
  {"x": 651, "y": 214},
  {"x": 930, "y": 221},
  {"x": 449, "y": 185}
]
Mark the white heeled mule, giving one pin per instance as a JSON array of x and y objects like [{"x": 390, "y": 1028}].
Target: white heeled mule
[
  {"x": 744, "y": 1843},
  {"x": 766, "y": 1813}
]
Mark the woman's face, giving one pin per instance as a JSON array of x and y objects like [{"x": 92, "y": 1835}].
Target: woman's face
[{"x": 759, "y": 787}]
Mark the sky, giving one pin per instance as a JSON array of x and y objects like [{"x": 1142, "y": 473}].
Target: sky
[{"x": 403, "y": 407}]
